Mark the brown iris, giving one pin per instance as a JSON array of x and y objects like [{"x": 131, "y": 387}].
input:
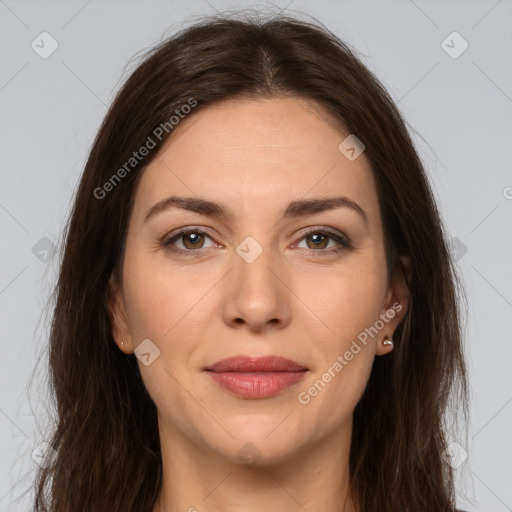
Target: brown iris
[
  {"x": 192, "y": 238},
  {"x": 316, "y": 237}
]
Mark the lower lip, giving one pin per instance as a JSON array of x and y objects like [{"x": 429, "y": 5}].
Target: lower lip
[{"x": 257, "y": 384}]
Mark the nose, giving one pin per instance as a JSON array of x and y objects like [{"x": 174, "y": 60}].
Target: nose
[{"x": 257, "y": 296}]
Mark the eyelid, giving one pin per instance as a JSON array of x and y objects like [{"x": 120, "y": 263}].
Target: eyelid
[{"x": 323, "y": 229}]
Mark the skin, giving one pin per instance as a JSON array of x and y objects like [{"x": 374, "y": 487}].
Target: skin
[{"x": 295, "y": 300}]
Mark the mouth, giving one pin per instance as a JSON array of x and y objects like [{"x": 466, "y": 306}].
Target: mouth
[{"x": 256, "y": 377}]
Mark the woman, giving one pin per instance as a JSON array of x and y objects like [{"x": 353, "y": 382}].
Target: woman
[{"x": 256, "y": 308}]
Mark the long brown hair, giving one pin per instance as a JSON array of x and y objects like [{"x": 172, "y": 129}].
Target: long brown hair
[{"x": 106, "y": 437}]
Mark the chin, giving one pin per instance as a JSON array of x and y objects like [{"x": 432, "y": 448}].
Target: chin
[{"x": 256, "y": 446}]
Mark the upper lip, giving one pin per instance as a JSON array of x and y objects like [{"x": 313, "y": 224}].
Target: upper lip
[{"x": 256, "y": 364}]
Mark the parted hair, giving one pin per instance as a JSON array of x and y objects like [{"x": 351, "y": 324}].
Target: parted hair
[{"x": 105, "y": 435}]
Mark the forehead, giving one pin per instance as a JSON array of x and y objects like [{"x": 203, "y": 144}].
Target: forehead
[{"x": 257, "y": 156}]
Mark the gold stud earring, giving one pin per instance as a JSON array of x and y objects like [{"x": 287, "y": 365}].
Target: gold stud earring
[{"x": 387, "y": 341}]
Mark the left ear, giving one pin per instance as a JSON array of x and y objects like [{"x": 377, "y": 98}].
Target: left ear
[{"x": 395, "y": 303}]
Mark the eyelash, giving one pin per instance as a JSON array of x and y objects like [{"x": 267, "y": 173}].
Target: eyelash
[{"x": 343, "y": 241}]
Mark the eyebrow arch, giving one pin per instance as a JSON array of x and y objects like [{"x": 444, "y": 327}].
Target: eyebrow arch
[{"x": 298, "y": 208}]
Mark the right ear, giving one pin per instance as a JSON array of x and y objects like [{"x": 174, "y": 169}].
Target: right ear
[{"x": 117, "y": 315}]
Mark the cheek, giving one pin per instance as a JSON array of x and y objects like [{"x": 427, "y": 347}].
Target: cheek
[
  {"x": 161, "y": 305},
  {"x": 153, "y": 298},
  {"x": 148, "y": 308},
  {"x": 350, "y": 306},
  {"x": 345, "y": 301},
  {"x": 344, "y": 358},
  {"x": 360, "y": 305}
]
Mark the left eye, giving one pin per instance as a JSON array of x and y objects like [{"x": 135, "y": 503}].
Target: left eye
[{"x": 319, "y": 240}]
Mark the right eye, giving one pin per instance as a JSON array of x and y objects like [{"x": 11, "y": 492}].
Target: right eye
[{"x": 193, "y": 240}]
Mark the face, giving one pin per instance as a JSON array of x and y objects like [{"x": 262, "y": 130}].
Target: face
[{"x": 305, "y": 283}]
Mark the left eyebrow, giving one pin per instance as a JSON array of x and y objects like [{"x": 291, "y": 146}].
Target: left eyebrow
[
  {"x": 298, "y": 208},
  {"x": 310, "y": 206}
]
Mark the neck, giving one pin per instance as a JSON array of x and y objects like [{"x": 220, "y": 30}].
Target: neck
[{"x": 313, "y": 478}]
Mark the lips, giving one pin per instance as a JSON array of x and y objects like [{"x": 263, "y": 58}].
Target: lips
[
  {"x": 246, "y": 364},
  {"x": 256, "y": 377}
]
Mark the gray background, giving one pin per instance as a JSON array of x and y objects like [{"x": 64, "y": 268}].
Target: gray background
[{"x": 460, "y": 111}]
